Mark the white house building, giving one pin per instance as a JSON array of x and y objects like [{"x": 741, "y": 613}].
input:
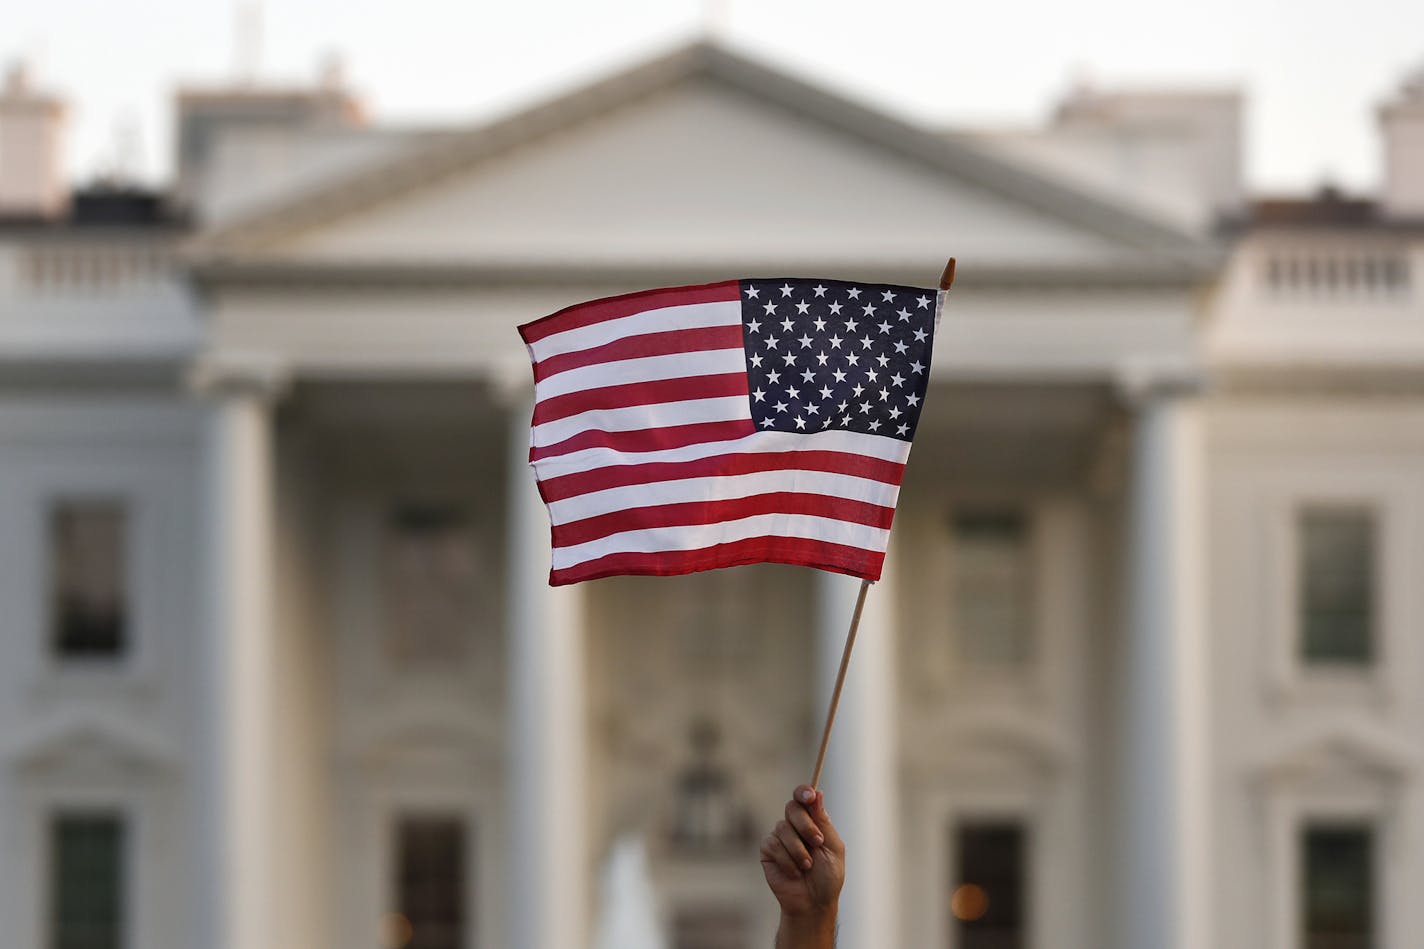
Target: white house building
[{"x": 280, "y": 668}]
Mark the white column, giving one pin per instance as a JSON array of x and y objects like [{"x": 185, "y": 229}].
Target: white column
[
  {"x": 235, "y": 809},
  {"x": 1162, "y": 891},
  {"x": 548, "y": 792},
  {"x": 862, "y": 765}
]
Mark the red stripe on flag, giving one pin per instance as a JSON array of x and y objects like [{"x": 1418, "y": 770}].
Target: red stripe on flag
[
  {"x": 618, "y": 476},
  {"x": 628, "y": 304},
  {"x": 839, "y": 558},
  {"x": 714, "y": 512},
  {"x": 640, "y": 393},
  {"x": 696, "y": 339},
  {"x": 648, "y": 439}
]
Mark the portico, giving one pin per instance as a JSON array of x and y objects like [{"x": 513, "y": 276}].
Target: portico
[{"x": 365, "y": 378}]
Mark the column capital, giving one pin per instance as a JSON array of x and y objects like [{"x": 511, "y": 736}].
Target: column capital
[
  {"x": 259, "y": 375},
  {"x": 1141, "y": 381}
]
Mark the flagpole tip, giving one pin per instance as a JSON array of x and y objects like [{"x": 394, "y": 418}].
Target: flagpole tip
[{"x": 946, "y": 279}]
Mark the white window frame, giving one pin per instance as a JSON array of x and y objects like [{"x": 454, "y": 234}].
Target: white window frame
[
  {"x": 128, "y": 865},
  {"x": 357, "y": 542},
  {"x": 373, "y": 803},
  {"x": 1002, "y": 775},
  {"x": 1032, "y": 552},
  {"x": 986, "y": 805},
  {"x": 997, "y": 812},
  {"x": 1061, "y": 569},
  {"x": 1290, "y": 810},
  {"x": 151, "y": 840},
  {"x": 472, "y": 832},
  {"x": 145, "y": 460},
  {"x": 1288, "y": 676}
]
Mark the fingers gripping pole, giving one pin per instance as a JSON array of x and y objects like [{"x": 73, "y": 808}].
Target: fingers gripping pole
[{"x": 840, "y": 681}]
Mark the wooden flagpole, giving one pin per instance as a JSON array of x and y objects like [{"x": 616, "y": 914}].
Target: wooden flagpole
[
  {"x": 840, "y": 681},
  {"x": 946, "y": 281}
]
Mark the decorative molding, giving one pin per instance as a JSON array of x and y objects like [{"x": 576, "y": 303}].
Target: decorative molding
[
  {"x": 83, "y": 740},
  {"x": 1350, "y": 750},
  {"x": 468, "y": 741},
  {"x": 985, "y": 742},
  {"x": 222, "y": 374},
  {"x": 1141, "y": 381},
  {"x": 1384, "y": 379},
  {"x": 265, "y": 268}
]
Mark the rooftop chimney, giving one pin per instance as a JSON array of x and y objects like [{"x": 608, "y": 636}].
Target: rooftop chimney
[
  {"x": 32, "y": 181},
  {"x": 207, "y": 115},
  {"x": 1403, "y": 125}
]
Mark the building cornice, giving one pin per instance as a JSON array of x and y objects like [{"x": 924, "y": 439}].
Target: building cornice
[
  {"x": 1401, "y": 379},
  {"x": 209, "y": 273}
]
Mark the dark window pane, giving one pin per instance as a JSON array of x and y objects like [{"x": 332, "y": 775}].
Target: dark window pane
[
  {"x": 431, "y": 881},
  {"x": 431, "y": 584},
  {"x": 86, "y": 895},
  {"x": 1339, "y": 887},
  {"x": 992, "y": 587},
  {"x": 708, "y": 928},
  {"x": 88, "y": 599},
  {"x": 1337, "y": 578},
  {"x": 988, "y": 896}
]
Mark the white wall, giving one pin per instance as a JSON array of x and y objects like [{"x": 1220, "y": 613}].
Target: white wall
[
  {"x": 117, "y": 736},
  {"x": 1288, "y": 742}
]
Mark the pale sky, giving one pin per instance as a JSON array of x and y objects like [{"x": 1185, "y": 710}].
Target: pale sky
[{"x": 1314, "y": 71}]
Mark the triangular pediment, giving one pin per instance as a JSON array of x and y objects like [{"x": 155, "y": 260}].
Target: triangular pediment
[
  {"x": 1340, "y": 751},
  {"x": 87, "y": 742},
  {"x": 703, "y": 159},
  {"x": 992, "y": 741}
]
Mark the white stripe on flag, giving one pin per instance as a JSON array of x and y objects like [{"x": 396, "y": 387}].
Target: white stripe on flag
[
  {"x": 722, "y": 488},
  {"x": 635, "y": 418},
  {"x": 699, "y": 536},
  {"x": 707, "y": 362},
  {"x": 662, "y": 320},
  {"x": 852, "y": 443}
]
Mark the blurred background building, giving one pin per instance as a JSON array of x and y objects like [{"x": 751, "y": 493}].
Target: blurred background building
[{"x": 279, "y": 664}]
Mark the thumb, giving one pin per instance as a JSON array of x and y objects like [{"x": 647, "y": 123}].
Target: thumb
[{"x": 817, "y": 808}]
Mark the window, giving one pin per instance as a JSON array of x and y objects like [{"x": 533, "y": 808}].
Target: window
[
  {"x": 991, "y": 587},
  {"x": 87, "y": 869},
  {"x": 1336, "y": 584},
  {"x": 988, "y": 899},
  {"x": 431, "y": 882},
  {"x": 1338, "y": 871},
  {"x": 88, "y": 599},
  {"x": 431, "y": 583},
  {"x": 710, "y": 928},
  {"x": 710, "y": 816}
]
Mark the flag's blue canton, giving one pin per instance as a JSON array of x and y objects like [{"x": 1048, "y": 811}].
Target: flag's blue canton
[{"x": 830, "y": 355}]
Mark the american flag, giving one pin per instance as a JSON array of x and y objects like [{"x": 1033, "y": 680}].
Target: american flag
[{"x": 739, "y": 422}]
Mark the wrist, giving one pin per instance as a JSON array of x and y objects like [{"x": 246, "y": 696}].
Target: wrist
[{"x": 815, "y": 927}]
